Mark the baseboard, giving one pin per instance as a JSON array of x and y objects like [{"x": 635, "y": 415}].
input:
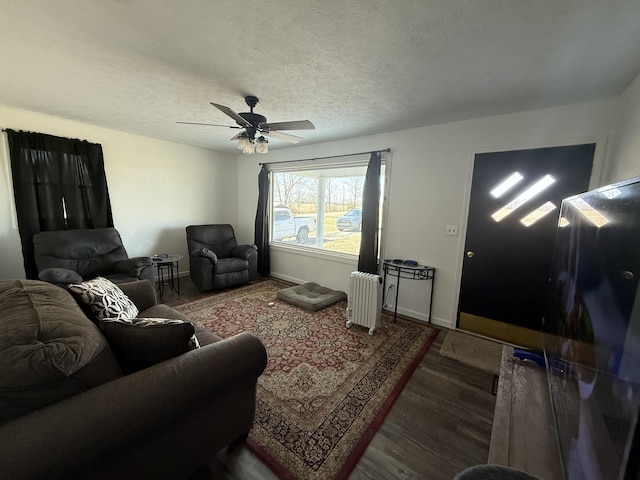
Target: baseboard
[
  {"x": 420, "y": 317},
  {"x": 287, "y": 278}
]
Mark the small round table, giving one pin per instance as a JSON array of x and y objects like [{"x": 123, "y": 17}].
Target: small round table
[
  {"x": 400, "y": 269},
  {"x": 167, "y": 272}
]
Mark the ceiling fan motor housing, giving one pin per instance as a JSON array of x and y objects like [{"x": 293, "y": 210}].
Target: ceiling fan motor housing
[
  {"x": 251, "y": 101},
  {"x": 254, "y": 123},
  {"x": 255, "y": 120}
]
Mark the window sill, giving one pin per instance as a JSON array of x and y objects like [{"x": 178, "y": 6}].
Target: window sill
[{"x": 338, "y": 257}]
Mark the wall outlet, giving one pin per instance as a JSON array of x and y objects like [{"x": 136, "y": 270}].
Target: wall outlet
[{"x": 451, "y": 230}]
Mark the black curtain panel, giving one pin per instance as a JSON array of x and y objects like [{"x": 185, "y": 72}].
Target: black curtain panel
[
  {"x": 368, "y": 258},
  {"x": 59, "y": 184},
  {"x": 261, "y": 232}
]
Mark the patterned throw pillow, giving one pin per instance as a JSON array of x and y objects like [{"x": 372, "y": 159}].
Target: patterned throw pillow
[
  {"x": 142, "y": 342},
  {"x": 104, "y": 298}
]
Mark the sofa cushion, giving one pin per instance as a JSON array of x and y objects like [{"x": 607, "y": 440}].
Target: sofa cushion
[
  {"x": 90, "y": 252},
  {"x": 161, "y": 310},
  {"x": 62, "y": 276},
  {"x": 49, "y": 350},
  {"x": 204, "y": 336},
  {"x": 231, "y": 265},
  {"x": 105, "y": 298},
  {"x": 142, "y": 342},
  {"x": 118, "y": 278}
]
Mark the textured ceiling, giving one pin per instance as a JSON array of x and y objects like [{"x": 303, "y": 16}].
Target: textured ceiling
[{"x": 352, "y": 67}]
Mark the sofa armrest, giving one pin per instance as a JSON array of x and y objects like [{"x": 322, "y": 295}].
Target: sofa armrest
[
  {"x": 132, "y": 266},
  {"x": 204, "y": 253},
  {"x": 141, "y": 292},
  {"x": 102, "y": 429},
  {"x": 59, "y": 276},
  {"x": 244, "y": 251}
]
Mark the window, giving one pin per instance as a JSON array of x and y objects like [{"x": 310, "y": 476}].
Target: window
[{"x": 319, "y": 206}]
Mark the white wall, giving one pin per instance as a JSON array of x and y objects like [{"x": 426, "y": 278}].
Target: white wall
[
  {"x": 625, "y": 152},
  {"x": 157, "y": 188},
  {"x": 430, "y": 183}
]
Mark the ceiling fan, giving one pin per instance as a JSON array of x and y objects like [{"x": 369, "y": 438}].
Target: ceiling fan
[{"x": 254, "y": 124}]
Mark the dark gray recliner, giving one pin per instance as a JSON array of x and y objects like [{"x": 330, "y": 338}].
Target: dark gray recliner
[
  {"x": 215, "y": 258},
  {"x": 72, "y": 256}
]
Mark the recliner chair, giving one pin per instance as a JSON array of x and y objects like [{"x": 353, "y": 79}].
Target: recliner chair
[
  {"x": 72, "y": 256},
  {"x": 215, "y": 258}
]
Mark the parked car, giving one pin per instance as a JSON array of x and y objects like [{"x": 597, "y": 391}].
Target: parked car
[
  {"x": 352, "y": 220},
  {"x": 286, "y": 225}
]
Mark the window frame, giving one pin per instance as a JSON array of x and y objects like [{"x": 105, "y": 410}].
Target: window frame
[{"x": 319, "y": 164}]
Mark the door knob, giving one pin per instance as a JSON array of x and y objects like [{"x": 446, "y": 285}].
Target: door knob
[{"x": 470, "y": 254}]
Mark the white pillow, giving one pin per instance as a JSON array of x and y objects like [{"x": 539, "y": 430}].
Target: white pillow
[{"x": 105, "y": 298}]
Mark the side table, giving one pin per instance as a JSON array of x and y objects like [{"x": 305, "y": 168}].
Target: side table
[
  {"x": 168, "y": 273},
  {"x": 413, "y": 272}
]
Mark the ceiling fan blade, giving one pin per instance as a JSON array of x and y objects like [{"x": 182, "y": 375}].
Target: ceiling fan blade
[
  {"x": 283, "y": 136},
  {"x": 295, "y": 125},
  {"x": 232, "y": 114},
  {"x": 236, "y": 136},
  {"x": 210, "y": 124}
]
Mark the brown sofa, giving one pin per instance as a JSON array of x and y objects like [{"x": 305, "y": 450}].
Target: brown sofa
[{"x": 75, "y": 418}]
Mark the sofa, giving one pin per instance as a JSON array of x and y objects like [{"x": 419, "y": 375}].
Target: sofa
[
  {"x": 67, "y": 256},
  {"x": 216, "y": 260},
  {"x": 70, "y": 408}
]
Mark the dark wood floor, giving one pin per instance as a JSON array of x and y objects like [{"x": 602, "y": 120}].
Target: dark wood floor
[{"x": 440, "y": 424}]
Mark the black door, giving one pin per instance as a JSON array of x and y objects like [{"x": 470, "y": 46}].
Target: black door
[{"x": 513, "y": 215}]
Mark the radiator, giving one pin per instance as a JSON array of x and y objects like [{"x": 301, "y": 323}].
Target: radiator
[{"x": 364, "y": 301}]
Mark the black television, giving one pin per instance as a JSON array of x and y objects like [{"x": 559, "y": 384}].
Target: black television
[{"x": 591, "y": 333}]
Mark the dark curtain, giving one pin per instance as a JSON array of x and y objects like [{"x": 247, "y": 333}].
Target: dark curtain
[
  {"x": 261, "y": 231},
  {"x": 368, "y": 259},
  {"x": 59, "y": 184}
]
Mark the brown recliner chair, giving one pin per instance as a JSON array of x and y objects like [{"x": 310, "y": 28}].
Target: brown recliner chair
[
  {"x": 215, "y": 258},
  {"x": 72, "y": 256}
]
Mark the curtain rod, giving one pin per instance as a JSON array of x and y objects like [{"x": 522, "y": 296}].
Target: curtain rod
[{"x": 324, "y": 158}]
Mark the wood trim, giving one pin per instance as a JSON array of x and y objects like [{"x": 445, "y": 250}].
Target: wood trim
[
  {"x": 506, "y": 332},
  {"x": 523, "y": 434}
]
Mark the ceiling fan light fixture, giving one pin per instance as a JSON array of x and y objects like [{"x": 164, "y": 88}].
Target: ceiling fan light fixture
[
  {"x": 248, "y": 148},
  {"x": 262, "y": 145},
  {"x": 245, "y": 144}
]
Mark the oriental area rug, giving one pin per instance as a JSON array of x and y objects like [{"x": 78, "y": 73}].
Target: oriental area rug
[{"x": 326, "y": 388}]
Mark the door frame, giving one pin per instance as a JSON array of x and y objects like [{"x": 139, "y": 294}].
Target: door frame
[{"x": 595, "y": 181}]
